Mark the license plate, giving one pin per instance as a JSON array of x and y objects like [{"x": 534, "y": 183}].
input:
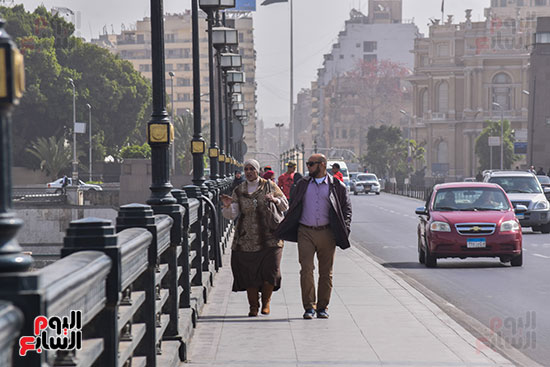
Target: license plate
[
  {"x": 520, "y": 216},
  {"x": 476, "y": 243}
]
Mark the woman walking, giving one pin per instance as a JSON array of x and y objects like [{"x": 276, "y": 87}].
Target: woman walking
[{"x": 255, "y": 252}]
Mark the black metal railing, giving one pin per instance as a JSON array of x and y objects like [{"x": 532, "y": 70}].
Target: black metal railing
[
  {"x": 139, "y": 283},
  {"x": 411, "y": 191}
]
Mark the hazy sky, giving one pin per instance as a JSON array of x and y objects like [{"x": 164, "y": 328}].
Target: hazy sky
[{"x": 316, "y": 27}]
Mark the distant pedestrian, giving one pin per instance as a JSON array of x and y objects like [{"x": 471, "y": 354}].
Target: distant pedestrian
[
  {"x": 336, "y": 172},
  {"x": 479, "y": 176},
  {"x": 64, "y": 184},
  {"x": 268, "y": 173},
  {"x": 532, "y": 170},
  {"x": 239, "y": 179},
  {"x": 286, "y": 180},
  {"x": 319, "y": 219},
  {"x": 541, "y": 172},
  {"x": 255, "y": 252}
]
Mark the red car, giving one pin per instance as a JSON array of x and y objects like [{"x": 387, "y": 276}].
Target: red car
[{"x": 467, "y": 219}]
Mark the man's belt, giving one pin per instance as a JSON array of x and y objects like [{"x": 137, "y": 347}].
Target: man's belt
[{"x": 316, "y": 228}]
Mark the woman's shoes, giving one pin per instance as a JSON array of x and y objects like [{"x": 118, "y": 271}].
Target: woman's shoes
[
  {"x": 253, "y": 301},
  {"x": 267, "y": 291}
]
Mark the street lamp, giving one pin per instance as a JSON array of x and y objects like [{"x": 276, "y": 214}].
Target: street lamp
[
  {"x": 531, "y": 123},
  {"x": 403, "y": 112},
  {"x": 279, "y": 126},
  {"x": 75, "y": 163},
  {"x": 90, "y": 135},
  {"x": 173, "y": 147},
  {"x": 501, "y": 134}
]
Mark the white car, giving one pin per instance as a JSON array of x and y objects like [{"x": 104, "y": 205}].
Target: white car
[
  {"x": 365, "y": 183},
  {"x": 57, "y": 186}
]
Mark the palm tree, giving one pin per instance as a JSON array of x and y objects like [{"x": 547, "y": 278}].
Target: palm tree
[{"x": 54, "y": 155}]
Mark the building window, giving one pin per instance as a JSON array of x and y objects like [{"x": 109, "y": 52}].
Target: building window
[
  {"x": 443, "y": 49},
  {"x": 341, "y": 57},
  {"x": 183, "y": 82},
  {"x": 344, "y": 134},
  {"x": 187, "y": 67},
  {"x": 502, "y": 91},
  {"x": 145, "y": 67},
  {"x": 140, "y": 38},
  {"x": 186, "y": 97},
  {"x": 369, "y": 46},
  {"x": 179, "y": 67},
  {"x": 542, "y": 37},
  {"x": 494, "y": 3},
  {"x": 443, "y": 97},
  {"x": 369, "y": 58},
  {"x": 423, "y": 102},
  {"x": 186, "y": 53},
  {"x": 503, "y": 3},
  {"x": 519, "y": 2},
  {"x": 241, "y": 37},
  {"x": 170, "y": 37},
  {"x": 169, "y": 67},
  {"x": 540, "y": 2},
  {"x": 442, "y": 152}
]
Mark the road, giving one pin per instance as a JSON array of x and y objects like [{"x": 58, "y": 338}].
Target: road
[{"x": 503, "y": 298}]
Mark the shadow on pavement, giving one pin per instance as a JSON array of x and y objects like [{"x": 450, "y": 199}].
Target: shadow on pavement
[
  {"x": 446, "y": 265},
  {"x": 239, "y": 318}
]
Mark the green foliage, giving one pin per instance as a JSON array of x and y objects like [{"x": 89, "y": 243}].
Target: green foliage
[
  {"x": 120, "y": 97},
  {"x": 386, "y": 150},
  {"x": 183, "y": 133},
  {"x": 483, "y": 151},
  {"x": 53, "y": 153},
  {"x": 136, "y": 151}
]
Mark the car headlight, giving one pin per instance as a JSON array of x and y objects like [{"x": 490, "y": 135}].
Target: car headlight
[
  {"x": 541, "y": 205},
  {"x": 509, "y": 226},
  {"x": 440, "y": 227}
]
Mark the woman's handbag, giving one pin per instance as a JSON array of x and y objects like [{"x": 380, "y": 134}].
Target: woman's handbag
[{"x": 273, "y": 215}]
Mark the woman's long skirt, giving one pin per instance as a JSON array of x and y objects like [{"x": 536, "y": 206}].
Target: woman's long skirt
[{"x": 252, "y": 269}]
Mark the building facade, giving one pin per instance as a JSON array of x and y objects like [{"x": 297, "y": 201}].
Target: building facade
[
  {"x": 135, "y": 46},
  {"x": 461, "y": 71},
  {"x": 337, "y": 118}
]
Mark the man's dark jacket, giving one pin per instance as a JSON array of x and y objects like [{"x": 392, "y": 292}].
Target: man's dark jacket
[{"x": 340, "y": 212}]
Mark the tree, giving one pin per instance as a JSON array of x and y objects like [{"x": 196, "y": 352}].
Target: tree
[
  {"x": 483, "y": 151},
  {"x": 386, "y": 151},
  {"x": 183, "y": 133},
  {"x": 136, "y": 151},
  {"x": 53, "y": 153},
  {"x": 119, "y": 95}
]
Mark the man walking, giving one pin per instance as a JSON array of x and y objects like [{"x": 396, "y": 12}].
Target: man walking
[
  {"x": 319, "y": 219},
  {"x": 286, "y": 180}
]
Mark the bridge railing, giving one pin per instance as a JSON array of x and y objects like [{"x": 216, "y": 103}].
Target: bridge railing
[
  {"x": 139, "y": 284},
  {"x": 416, "y": 192}
]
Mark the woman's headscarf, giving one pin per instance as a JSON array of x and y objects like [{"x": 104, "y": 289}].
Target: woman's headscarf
[{"x": 254, "y": 163}]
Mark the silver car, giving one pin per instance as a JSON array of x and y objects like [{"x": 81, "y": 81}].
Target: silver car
[
  {"x": 523, "y": 188},
  {"x": 365, "y": 183},
  {"x": 57, "y": 186}
]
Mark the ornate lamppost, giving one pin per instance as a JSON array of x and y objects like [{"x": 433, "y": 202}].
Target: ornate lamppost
[{"x": 12, "y": 86}]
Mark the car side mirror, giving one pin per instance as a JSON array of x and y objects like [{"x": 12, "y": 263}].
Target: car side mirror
[
  {"x": 422, "y": 210},
  {"x": 546, "y": 190},
  {"x": 519, "y": 209}
]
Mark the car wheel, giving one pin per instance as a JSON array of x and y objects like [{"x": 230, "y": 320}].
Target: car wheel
[
  {"x": 536, "y": 228},
  {"x": 517, "y": 260},
  {"x": 429, "y": 260},
  {"x": 545, "y": 228},
  {"x": 355, "y": 193},
  {"x": 421, "y": 254},
  {"x": 378, "y": 193},
  {"x": 58, "y": 191}
]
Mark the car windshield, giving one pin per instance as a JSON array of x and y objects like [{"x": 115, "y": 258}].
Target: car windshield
[
  {"x": 470, "y": 199},
  {"x": 543, "y": 179},
  {"x": 524, "y": 185},
  {"x": 366, "y": 178}
]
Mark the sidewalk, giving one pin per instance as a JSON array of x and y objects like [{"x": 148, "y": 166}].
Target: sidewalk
[{"x": 375, "y": 319}]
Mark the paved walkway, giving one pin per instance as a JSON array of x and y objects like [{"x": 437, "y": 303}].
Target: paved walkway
[{"x": 376, "y": 319}]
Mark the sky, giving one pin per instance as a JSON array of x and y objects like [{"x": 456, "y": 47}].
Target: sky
[{"x": 316, "y": 27}]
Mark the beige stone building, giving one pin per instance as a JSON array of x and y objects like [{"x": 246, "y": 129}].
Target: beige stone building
[
  {"x": 460, "y": 70},
  {"x": 134, "y": 45}
]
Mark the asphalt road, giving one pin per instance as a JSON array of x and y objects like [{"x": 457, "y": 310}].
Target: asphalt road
[{"x": 512, "y": 301}]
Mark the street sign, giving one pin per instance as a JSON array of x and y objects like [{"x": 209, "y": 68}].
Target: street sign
[
  {"x": 520, "y": 135},
  {"x": 80, "y": 127},
  {"x": 245, "y": 148},
  {"x": 494, "y": 141},
  {"x": 244, "y": 5},
  {"x": 520, "y": 147}
]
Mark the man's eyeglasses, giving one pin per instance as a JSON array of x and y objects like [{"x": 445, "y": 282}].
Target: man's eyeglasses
[{"x": 311, "y": 164}]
